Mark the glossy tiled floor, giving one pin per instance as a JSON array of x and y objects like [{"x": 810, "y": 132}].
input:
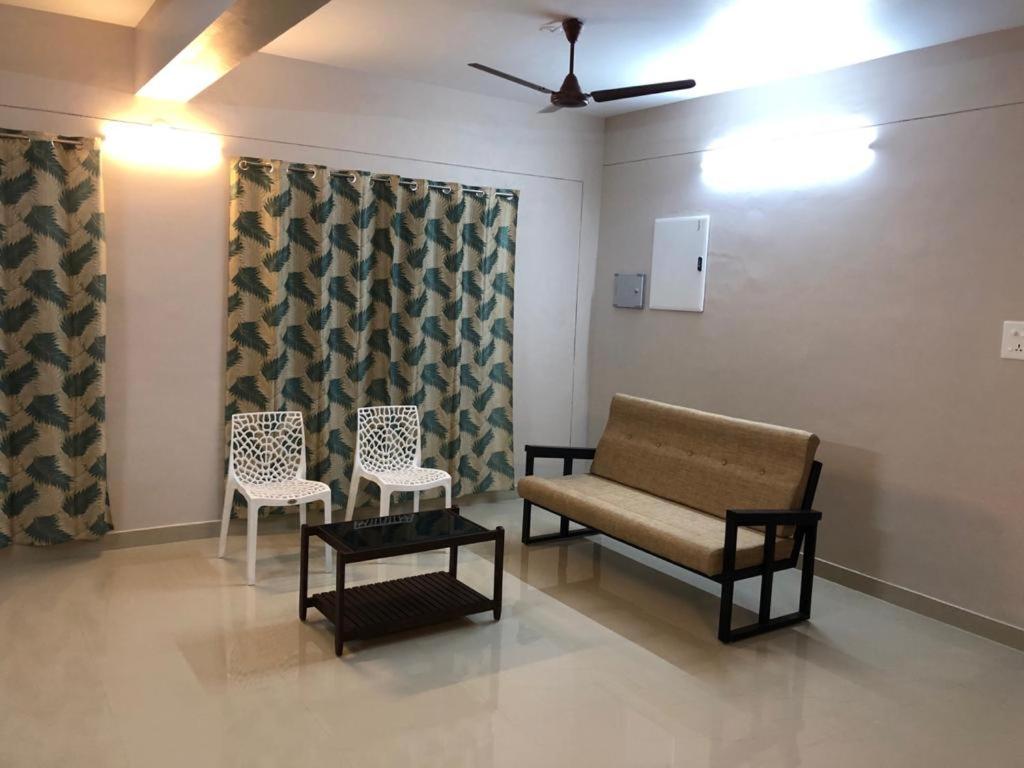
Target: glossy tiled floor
[{"x": 160, "y": 656}]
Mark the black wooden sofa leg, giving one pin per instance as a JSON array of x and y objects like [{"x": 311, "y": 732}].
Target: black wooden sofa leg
[
  {"x": 725, "y": 613},
  {"x": 563, "y": 528},
  {"x": 807, "y": 574},
  {"x": 567, "y": 455},
  {"x": 765, "y": 622},
  {"x": 527, "y": 517}
]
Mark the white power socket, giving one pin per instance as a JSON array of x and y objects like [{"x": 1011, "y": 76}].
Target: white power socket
[{"x": 1013, "y": 340}]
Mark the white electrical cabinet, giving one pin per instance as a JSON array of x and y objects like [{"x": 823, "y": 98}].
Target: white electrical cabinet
[{"x": 679, "y": 265}]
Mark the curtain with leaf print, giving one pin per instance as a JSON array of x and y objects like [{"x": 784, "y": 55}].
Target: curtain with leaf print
[
  {"x": 347, "y": 290},
  {"x": 52, "y": 342}
]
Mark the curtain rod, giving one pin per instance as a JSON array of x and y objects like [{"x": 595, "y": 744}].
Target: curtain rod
[
  {"x": 77, "y": 143},
  {"x": 411, "y": 183}
]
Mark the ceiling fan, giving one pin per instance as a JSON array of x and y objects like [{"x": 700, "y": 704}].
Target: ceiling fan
[{"x": 570, "y": 94}]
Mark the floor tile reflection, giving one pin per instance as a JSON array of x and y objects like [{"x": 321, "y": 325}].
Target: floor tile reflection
[{"x": 161, "y": 656}]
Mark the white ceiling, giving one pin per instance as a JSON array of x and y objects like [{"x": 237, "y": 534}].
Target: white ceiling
[
  {"x": 723, "y": 44},
  {"x": 127, "y": 13}
]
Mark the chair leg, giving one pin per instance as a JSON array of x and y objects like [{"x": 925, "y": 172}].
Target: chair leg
[
  {"x": 415, "y": 501},
  {"x": 385, "y": 501},
  {"x": 302, "y": 514},
  {"x": 353, "y": 491},
  {"x": 447, "y": 494},
  {"x": 250, "y": 549},
  {"x": 328, "y": 552},
  {"x": 225, "y": 520}
]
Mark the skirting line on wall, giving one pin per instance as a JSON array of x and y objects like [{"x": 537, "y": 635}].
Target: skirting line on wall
[
  {"x": 205, "y": 529},
  {"x": 902, "y": 597},
  {"x": 908, "y": 599},
  {"x": 925, "y": 605},
  {"x": 932, "y": 607}
]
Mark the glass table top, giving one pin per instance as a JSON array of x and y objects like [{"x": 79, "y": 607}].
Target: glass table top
[{"x": 396, "y": 530}]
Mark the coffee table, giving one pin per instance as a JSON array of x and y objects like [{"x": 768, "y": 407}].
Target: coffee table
[{"x": 370, "y": 610}]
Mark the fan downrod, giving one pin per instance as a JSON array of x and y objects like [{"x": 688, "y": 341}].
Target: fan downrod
[{"x": 570, "y": 94}]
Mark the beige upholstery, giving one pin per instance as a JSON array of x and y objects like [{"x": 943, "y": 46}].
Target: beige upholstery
[
  {"x": 673, "y": 531},
  {"x": 702, "y": 460}
]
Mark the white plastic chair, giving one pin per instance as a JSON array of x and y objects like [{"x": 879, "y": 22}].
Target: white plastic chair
[
  {"x": 388, "y": 454},
  {"x": 267, "y": 466}
]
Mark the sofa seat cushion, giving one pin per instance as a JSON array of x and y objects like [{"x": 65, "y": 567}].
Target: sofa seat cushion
[{"x": 667, "y": 529}]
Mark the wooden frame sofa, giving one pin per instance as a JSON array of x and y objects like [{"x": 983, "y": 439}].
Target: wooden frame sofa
[{"x": 725, "y": 498}]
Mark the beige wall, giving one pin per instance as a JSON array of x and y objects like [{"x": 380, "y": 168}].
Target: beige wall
[
  {"x": 868, "y": 311},
  {"x": 168, "y": 230}
]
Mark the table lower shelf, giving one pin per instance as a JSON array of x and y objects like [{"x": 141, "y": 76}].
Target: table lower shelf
[{"x": 375, "y": 609}]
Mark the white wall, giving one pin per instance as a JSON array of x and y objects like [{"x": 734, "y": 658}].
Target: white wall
[
  {"x": 168, "y": 231},
  {"x": 868, "y": 310}
]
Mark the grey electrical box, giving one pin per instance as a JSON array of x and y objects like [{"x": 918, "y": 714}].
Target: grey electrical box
[{"x": 629, "y": 290}]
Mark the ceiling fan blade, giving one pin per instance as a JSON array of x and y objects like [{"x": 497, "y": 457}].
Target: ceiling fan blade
[
  {"x": 549, "y": 108},
  {"x": 612, "y": 94},
  {"x": 511, "y": 78}
]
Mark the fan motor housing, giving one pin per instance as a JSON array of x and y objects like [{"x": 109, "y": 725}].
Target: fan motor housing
[{"x": 570, "y": 94}]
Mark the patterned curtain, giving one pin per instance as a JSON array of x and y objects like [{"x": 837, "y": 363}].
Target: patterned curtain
[
  {"x": 349, "y": 290},
  {"x": 52, "y": 342}
]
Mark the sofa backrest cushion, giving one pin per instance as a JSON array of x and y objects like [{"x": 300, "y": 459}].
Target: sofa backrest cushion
[{"x": 708, "y": 462}]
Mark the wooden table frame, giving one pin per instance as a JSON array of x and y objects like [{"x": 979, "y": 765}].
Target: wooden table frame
[{"x": 395, "y": 605}]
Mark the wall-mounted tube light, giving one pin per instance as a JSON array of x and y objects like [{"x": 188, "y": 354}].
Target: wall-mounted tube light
[
  {"x": 159, "y": 146},
  {"x": 805, "y": 152}
]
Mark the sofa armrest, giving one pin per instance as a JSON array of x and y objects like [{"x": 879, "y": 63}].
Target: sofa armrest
[
  {"x": 805, "y": 520},
  {"x": 559, "y": 452},
  {"x": 566, "y": 453},
  {"x": 749, "y": 517},
  {"x": 806, "y": 523}
]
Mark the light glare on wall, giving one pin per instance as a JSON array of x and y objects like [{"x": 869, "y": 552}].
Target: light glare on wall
[
  {"x": 807, "y": 152},
  {"x": 160, "y": 146}
]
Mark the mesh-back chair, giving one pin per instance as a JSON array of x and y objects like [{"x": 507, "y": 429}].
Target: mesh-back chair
[
  {"x": 267, "y": 466},
  {"x": 388, "y": 454}
]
